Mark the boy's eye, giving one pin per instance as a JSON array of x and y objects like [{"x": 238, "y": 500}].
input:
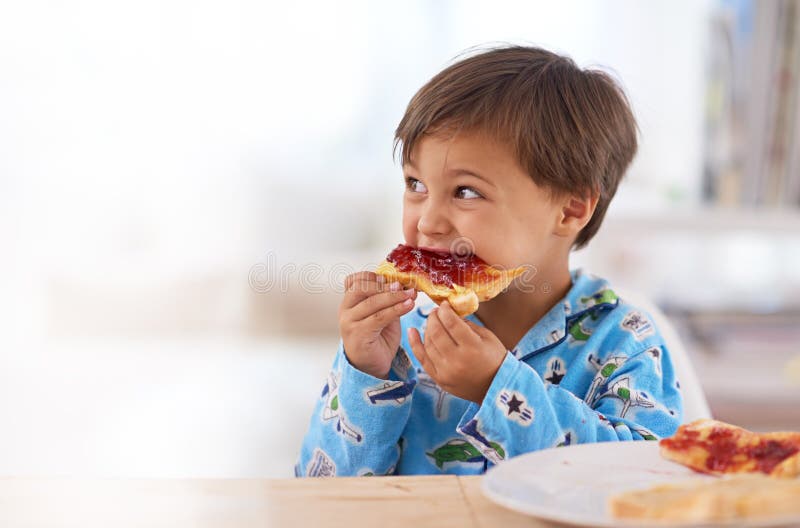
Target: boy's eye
[
  {"x": 414, "y": 185},
  {"x": 462, "y": 192},
  {"x": 467, "y": 193}
]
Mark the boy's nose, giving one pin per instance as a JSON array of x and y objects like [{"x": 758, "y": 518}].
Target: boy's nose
[{"x": 433, "y": 223}]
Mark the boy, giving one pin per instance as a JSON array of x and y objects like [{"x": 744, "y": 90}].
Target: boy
[{"x": 515, "y": 152}]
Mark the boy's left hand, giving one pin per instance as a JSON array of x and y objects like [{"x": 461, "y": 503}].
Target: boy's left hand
[{"x": 460, "y": 356}]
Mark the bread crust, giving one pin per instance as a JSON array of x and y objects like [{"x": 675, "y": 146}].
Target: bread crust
[{"x": 732, "y": 498}]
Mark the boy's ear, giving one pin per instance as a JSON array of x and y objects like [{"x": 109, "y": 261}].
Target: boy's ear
[{"x": 575, "y": 213}]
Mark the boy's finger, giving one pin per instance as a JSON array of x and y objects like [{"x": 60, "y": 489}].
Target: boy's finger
[
  {"x": 434, "y": 352},
  {"x": 478, "y": 329},
  {"x": 418, "y": 348},
  {"x": 368, "y": 276},
  {"x": 438, "y": 332},
  {"x": 379, "y": 301},
  {"x": 377, "y": 321},
  {"x": 364, "y": 287},
  {"x": 459, "y": 331}
]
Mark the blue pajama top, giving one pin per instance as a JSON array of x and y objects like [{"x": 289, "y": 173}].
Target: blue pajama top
[{"x": 593, "y": 369}]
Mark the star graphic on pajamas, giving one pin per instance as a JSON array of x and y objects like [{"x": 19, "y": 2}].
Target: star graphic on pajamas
[
  {"x": 514, "y": 404},
  {"x": 555, "y": 378},
  {"x": 555, "y": 372}
]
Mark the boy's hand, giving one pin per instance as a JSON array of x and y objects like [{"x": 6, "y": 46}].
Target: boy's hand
[
  {"x": 369, "y": 321},
  {"x": 459, "y": 355}
]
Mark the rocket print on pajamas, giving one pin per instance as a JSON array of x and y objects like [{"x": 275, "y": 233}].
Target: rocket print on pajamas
[{"x": 333, "y": 411}]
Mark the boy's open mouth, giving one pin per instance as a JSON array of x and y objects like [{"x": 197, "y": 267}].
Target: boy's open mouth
[{"x": 461, "y": 248}]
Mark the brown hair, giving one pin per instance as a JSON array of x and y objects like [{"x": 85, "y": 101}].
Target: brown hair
[{"x": 572, "y": 130}]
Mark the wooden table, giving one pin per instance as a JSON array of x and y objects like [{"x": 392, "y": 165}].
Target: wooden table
[{"x": 374, "y": 502}]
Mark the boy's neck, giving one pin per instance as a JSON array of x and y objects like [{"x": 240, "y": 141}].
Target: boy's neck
[{"x": 512, "y": 313}]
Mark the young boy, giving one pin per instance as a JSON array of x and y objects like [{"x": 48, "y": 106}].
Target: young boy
[{"x": 515, "y": 152}]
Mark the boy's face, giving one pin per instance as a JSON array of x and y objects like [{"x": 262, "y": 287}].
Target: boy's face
[{"x": 498, "y": 213}]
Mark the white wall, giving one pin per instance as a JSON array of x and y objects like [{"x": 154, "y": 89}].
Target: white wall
[
  {"x": 153, "y": 152},
  {"x": 150, "y": 144}
]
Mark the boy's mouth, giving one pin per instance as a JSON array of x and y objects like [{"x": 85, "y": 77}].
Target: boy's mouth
[
  {"x": 461, "y": 247},
  {"x": 434, "y": 249}
]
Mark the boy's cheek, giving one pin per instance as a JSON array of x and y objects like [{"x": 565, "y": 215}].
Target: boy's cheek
[{"x": 410, "y": 231}]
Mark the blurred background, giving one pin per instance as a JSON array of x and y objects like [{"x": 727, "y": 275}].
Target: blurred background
[{"x": 184, "y": 186}]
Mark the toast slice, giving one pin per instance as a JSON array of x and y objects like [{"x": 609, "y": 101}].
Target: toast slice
[
  {"x": 719, "y": 448},
  {"x": 733, "y": 498},
  {"x": 463, "y": 282}
]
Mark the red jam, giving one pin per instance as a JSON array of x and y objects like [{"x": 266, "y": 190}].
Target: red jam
[
  {"x": 442, "y": 268},
  {"x": 724, "y": 454}
]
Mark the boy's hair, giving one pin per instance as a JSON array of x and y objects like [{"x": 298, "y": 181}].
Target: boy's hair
[{"x": 572, "y": 130}]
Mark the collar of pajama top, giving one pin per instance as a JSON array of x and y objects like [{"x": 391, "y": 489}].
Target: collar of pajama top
[{"x": 551, "y": 329}]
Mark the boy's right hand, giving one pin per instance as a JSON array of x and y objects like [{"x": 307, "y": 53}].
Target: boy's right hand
[{"x": 369, "y": 321}]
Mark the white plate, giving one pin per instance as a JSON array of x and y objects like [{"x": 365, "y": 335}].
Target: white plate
[{"x": 572, "y": 484}]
